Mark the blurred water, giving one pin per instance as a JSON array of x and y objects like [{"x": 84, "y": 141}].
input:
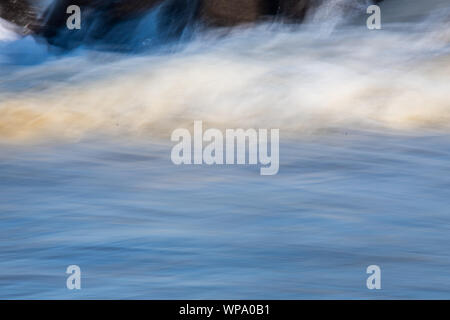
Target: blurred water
[
  {"x": 86, "y": 176},
  {"x": 140, "y": 227}
]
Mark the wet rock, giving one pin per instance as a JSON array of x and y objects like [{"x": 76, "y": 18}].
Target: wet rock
[
  {"x": 113, "y": 23},
  {"x": 19, "y": 12},
  {"x": 295, "y": 10},
  {"x": 234, "y": 12}
]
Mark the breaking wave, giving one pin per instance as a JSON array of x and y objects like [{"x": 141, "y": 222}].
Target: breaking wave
[{"x": 300, "y": 79}]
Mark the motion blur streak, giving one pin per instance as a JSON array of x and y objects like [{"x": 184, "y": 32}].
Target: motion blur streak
[{"x": 364, "y": 118}]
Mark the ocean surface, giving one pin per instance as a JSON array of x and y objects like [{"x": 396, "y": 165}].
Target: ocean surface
[{"x": 364, "y": 116}]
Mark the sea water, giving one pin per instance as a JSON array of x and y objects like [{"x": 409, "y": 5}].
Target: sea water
[{"x": 364, "y": 116}]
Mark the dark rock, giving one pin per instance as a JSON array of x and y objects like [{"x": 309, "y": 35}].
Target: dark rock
[
  {"x": 233, "y": 12},
  {"x": 112, "y": 23},
  {"x": 19, "y": 12},
  {"x": 295, "y": 9}
]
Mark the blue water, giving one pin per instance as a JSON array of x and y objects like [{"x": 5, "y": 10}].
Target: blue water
[
  {"x": 141, "y": 228},
  {"x": 86, "y": 177}
]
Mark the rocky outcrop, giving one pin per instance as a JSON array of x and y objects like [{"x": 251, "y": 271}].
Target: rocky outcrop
[
  {"x": 233, "y": 12},
  {"x": 100, "y": 17},
  {"x": 21, "y": 13},
  {"x": 295, "y": 10}
]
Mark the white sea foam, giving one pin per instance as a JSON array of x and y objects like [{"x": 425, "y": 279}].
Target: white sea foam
[
  {"x": 270, "y": 76},
  {"x": 7, "y": 31}
]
